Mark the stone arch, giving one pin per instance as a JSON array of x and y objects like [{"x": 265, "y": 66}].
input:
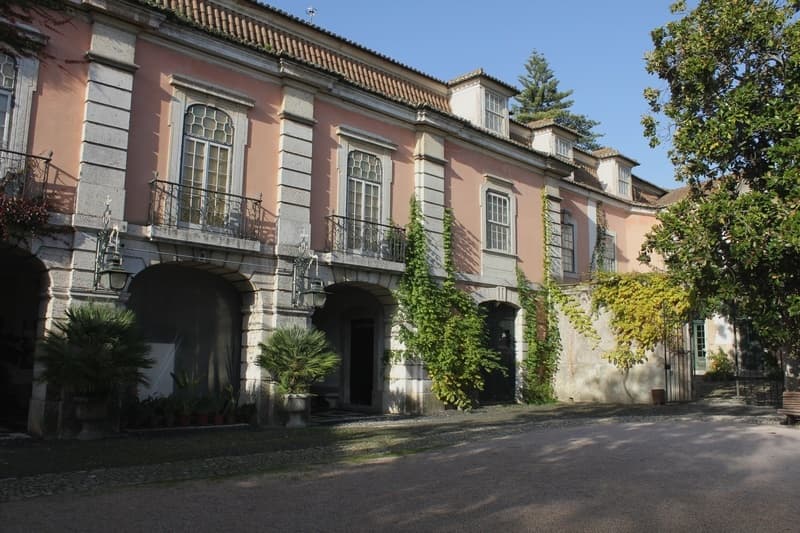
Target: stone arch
[
  {"x": 195, "y": 315},
  {"x": 357, "y": 319},
  {"x": 25, "y": 284}
]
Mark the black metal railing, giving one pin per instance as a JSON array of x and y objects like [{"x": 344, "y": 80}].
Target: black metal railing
[
  {"x": 23, "y": 175},
  {"x": 370, "y": 239},
  {"x": 179, "y": 205}
]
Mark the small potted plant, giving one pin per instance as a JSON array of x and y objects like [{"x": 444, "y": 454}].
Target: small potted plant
[
  {"x": 297, "y": 357},
  {"x": 95, "y": 352}
]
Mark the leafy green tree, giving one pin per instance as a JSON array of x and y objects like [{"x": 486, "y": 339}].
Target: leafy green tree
[
  {"x": 731, "y": 70},
  {"x": 541, "y": 99}
]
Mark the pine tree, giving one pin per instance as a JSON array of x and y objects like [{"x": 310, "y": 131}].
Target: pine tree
[{"x": 541, "y": 99}]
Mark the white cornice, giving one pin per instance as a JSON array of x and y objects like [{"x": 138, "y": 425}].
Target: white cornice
[{"x": 598, "y": 196}]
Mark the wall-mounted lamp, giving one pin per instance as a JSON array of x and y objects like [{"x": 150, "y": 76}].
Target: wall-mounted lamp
[
  {"x": 108, "y": 270},
  {"x": 307, "y": 291}
]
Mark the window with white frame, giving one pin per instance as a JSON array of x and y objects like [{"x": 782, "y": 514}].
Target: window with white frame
[
  {"x": 624, "y": 181},
  {"x": 364, "y": 198},
  {"x": 567, "y": 243},
  {"x": 495, "y": 115},
  {"x": 498, "y": 222},
  {"x": 208, "y": 135},
  {"x": 563, "y": 147},
  {"x": 365, "y": 188},
  {"x": 208, "y": 132},
  {"x": 8, "y": 77}
]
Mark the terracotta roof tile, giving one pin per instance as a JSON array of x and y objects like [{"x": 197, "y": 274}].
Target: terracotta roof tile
[{"x": 260, "y": 33}]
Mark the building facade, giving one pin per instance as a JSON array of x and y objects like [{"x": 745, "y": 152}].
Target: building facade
[{"x": 246, "y": 161}]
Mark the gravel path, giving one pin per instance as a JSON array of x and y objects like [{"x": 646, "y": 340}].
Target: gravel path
[
  {"x": 485, "y": 425},
  {"x": 634, "y": 473}
]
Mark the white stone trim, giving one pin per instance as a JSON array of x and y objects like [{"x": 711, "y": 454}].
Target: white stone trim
[
  {"x": 354, "y": 139},
  {"x": 24, "y": 87},
  {"x": 188, "y": 92}
]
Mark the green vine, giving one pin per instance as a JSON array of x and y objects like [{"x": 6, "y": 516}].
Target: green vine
[
  {"x": 439, "y": 324},
  {"x": 22, "y": 217},
  {"x": 643, "y": 306},
  {"x": 540, "y": 332}
]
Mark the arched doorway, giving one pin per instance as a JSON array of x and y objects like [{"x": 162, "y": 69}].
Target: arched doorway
[
  {"x": 23, "y": 280},
  {"x": 193, "y": 322},
  {"x": 499, "y": 323},
  {"x": 354, "y": 322}
]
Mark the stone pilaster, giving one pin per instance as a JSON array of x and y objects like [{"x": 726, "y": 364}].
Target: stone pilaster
[
  {"x": 104, "y": 146},
  {"x": 553, "y": 216},
  {"x": 429, "y": 167}
]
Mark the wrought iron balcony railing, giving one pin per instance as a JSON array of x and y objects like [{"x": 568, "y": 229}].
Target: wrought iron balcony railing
[
  {"x": 23, "y": 175},
  {"x": 370, "y": 239},
  {"x": 178, "y": 205}
]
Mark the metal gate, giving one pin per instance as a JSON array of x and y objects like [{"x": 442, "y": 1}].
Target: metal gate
[
  {"x": 678, "y": 365},
  {"x": 759, "y": 374}
]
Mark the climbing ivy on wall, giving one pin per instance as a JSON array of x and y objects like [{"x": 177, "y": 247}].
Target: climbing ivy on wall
[
  {"x": 440, "y": 324},
  {"x": 643, "y": 306},
  {"x": 540, "y": 332}
]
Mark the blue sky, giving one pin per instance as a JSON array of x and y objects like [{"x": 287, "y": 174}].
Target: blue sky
[{"x": 594, "y": 47}]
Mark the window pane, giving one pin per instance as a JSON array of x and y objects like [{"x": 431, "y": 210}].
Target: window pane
[
  {"x": 498, "y": 231},
  {"x": 568, "y": 247},
  {"x": 8, "y": 72},
  {"x": 208, "y": 123}
]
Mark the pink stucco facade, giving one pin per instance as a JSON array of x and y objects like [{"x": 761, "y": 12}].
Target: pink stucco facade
[{"x": 215, "y": 264}]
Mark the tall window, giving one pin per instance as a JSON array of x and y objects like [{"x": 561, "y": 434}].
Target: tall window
[
  {"x": 495, "y": 112},
  {"x": 498, "y": 224},
  {"x": 607, "y": 261},
  {"x": 206, "y": 165},
  {"x": 8, "y": 76},
  {"x": 364, "y": 179},
  {"x": 567, "y": 243},
  {"x": 699, "y": 343},
  {"x": 624, "y": 181}
]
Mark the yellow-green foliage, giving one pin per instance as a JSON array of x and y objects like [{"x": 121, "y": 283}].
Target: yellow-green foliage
[{"x": 642, "y": 307}]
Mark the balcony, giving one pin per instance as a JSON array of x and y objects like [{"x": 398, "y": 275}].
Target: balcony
[
  {"x": 23, "y": 176},
  {"x": 179, "y": 211},
  {"x": 366, "y": 239}
]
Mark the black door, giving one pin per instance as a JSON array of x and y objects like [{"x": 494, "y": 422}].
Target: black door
[
  {"x": 499, "y": 332},
  {"x": 362, "y": 337}
]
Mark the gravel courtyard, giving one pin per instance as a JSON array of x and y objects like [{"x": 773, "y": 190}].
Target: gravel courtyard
[{"x": 678, "y": 471}]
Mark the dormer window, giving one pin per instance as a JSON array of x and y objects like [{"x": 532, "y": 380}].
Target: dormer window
[
  {"x": 495, "y": 112},
  {"x": 624, "y": 181},
  {"x": 563, "y": 148}
]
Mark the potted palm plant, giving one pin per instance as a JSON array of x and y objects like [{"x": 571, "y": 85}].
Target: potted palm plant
[
  {"x": 297, "y": 357},
  {"x": 95, "y": 352}
]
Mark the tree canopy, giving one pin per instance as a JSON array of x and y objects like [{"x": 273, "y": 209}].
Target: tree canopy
[
  {"x": 541, "y": 99},
  {"x": 731, "y": 71}
]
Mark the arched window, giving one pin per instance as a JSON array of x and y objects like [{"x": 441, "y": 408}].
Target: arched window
[
  {"x": 364, "y": 196},
  {"x": 8, "y": 77},
  {"x": 206, "y": 165}
]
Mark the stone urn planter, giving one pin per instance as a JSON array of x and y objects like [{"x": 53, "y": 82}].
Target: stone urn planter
[
  {"x": 297, "y": 407},
  {"x": 296, "y": 357},
  {"x": 92, "y": 413}
]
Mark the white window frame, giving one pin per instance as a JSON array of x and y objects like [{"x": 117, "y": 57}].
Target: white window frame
[
  {"x": 189, "y": 91},
  {"x": 500, "y": 115},
  {"x": 567, "y": 222},
  {"x": 624, "y": 181},
  {"x": 504, "y": 188},
  {"x": 563, "y": 147},
  {"x": 353, "y": 139},
  {"x": 21, "y": 103}
]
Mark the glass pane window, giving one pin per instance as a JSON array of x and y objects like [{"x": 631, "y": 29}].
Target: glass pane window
[
  {"x": 624, "y": 181},
  {"x": 8, "y": 76},
  {"x": 206, "y": 166},
  {"x": 498, "y": 226},
  {"x": 495, "y": 112},
  {"x": 364, "y": 196},
  {"x": 608, "y": 260},
  {"x": 567, "y": 245},
  {"x": 563, "y": 148}
]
